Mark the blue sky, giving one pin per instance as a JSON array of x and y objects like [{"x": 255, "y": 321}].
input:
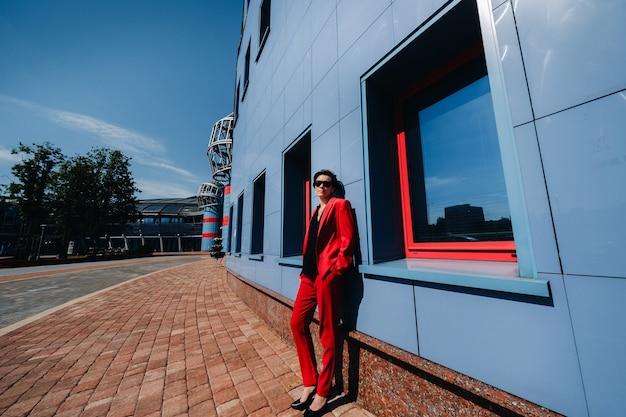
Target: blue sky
[
  {"x": 147, "y": 77},
  {"x": 465, "y": 168}
]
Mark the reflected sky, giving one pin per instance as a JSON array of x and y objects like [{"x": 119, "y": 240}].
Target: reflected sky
[{"x": 461, "y": 155}]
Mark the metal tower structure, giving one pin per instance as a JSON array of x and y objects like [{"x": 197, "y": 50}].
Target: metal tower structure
[
  {"x": 209, "y": 195},
  {"x": 219, "y": 151},
  {"x": 214, "y": 196}
]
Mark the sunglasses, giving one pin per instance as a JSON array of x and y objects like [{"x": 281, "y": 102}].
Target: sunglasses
[{"x": 326, "y": 184}]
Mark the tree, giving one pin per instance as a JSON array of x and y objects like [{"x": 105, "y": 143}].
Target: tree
[
  {"x": 92, "y": 193},
  {"x": 73, "y": 203},
  {"x": 117, "y": 197},
  {"x": 81, "y": 196},
  {"x": 32, "y": 192}
]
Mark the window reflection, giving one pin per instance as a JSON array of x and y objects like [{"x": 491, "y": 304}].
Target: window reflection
[{"x": 459, "y": 194}]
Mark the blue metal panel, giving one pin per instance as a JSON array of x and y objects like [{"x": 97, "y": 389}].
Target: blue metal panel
[
  {"x": 583, "y": 150},
  {"x": 573, "y": 51},
  {"x": 408, "y": 14},
  {"x": 290, "y": 281},
  {"x": 267, "y": 273},
  {"x": 325, "y": 101},
  {"x": 326, "y": 153},
  {"x": 598, "y": 318},
  {"x": 324, "y": 50},
  {"x": 356, "y": 16},
  {"x": 272, "y": 234},
  {"x": 511, "y": 58},
  {"x": 393, "y": 322},
  {"x": 520, "y": 347},
  {"x": 538, "y": 206},
  {"x": 351, "y": 149}
]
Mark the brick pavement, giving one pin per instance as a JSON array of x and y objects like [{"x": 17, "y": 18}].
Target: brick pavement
[{"x": 171, "y": 343}]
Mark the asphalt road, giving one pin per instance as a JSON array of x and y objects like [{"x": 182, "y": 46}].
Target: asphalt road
[{"x": 27, "y": 292}]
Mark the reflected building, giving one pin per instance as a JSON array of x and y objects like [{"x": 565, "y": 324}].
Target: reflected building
[{"x": 463, "y": 219}]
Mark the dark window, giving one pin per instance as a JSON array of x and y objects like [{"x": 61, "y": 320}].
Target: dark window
[
  {"x": 228, "y": 222},
  {"x": 246, "y": 74},
  {"x": 236, "y": 112},
  {"x": 239, "y": 224},
  {"x": 258, "y": 215},
  {"x": 264, "y": 24},
  {"x": 297, "y": 195}
]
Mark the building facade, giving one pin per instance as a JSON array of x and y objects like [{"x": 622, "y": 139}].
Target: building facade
[
  {"x": 162, "y": 225},
  {"x": 481, "y": 143}
]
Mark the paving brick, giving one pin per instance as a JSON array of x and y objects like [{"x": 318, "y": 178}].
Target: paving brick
[
  {"x": 177, "y": 342},
  {"x": 23, "y": 407},
  {"x": 203, "y": 409},
  {"x": 225, "y": 395},
  {"x": 254, "y": 402},
  {"x": 97, "y": 407},
  {"x": 175, "y": 389},
  {"x": 233, "y": 408},
  {"x": 263, "y": 412},
  {"x": 127, "y": 399},
  {"x": 221, "y": 382},
  {"x": 175, "y": 406},
  {"x": 197, "y": 377},
  {"x": 199, "y": 395},
  {"x": 73, "y": 402}
]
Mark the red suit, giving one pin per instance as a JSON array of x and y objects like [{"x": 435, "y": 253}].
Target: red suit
[{"x": 334, "y": 249}]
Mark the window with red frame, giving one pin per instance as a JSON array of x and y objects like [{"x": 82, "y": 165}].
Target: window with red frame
[
  {"x": 454, "y": 200},
  {"x": 436, "y": 180}
]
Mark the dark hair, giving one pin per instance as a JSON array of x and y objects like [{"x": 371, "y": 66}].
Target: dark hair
[
  {"x": 340, "y": 191},
  {"x": 329, "y": 173}
]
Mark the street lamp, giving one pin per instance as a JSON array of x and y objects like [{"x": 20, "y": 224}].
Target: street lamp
[{"x": 43, "y": 228}]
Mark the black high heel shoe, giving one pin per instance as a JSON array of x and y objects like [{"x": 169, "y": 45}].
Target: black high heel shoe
[
  {"x": 318, "y": 413},
  {"x": 303, "y": 405}
]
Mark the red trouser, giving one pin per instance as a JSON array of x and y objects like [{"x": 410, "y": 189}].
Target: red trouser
[{"x": 325, "y": 295}]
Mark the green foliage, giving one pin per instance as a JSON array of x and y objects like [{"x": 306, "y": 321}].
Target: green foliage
[
  {"x": 32, "y": 191},
  {"x": 80, "y": 195},
  {"x": 36, "y": 175}
]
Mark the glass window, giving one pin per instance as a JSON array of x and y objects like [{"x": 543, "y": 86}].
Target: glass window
[
  {"x": 237, "y": 231},
  {"x": 264, "y": 24},
  {"x": 226, "y": 222},
  {"x": 258, "y": 215},
  {"x": 296, "y": 194},
  {"x": 246, "y": 74},
  {"x": 450, "y": 201},
  {"x": 455, "y": 184},
  {"x": 236, "y": 112}
]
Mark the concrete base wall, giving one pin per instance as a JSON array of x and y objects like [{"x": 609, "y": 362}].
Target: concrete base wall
[{"x": 389, "y": 381}]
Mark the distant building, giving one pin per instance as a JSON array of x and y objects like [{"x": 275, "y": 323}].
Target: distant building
[
  {"x": 464, "y": 218},
  {"x": 515, "y": 107},
  {"x": 164, "y": 225}
]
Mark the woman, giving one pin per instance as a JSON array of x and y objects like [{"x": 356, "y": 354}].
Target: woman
[{"x": 327, "y": 253}]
